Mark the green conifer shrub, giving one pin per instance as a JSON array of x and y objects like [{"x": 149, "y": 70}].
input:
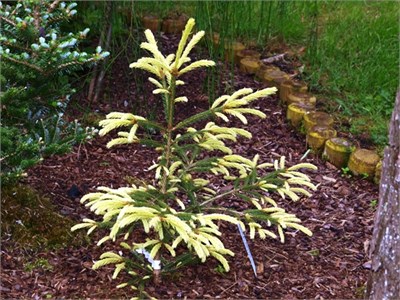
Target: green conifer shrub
[
  {"x": 17, "y": 151},
  {"x": 173, "y": 222},
  {"x": 37, "y": 59}
]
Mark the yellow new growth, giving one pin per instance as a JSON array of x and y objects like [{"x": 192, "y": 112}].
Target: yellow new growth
[
  {"x": 108, "y": 258},
  {"x": 232, "y": 105},
  {"x": 172, "y": 65},
  {"x": 115, "y": 120}
]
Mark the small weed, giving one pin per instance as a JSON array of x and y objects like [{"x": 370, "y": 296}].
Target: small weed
[
  {"x": 346, "y": 172},
  {"x": 373, "y": 203},
  {"x": 364, "y": 175},
  {"x": 104, "y": 164},
  {"x": 379, "y": 132},
  {"x": 314, "y": 252},
  {"x": 360, "y": 291},
  {"x": 358, "y": 126},
  {"x": 220, "y": 269},
  {"x": 40, "y": 263}
]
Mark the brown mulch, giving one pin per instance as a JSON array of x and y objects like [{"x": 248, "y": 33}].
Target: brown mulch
[{"x": 332, "y": 264}]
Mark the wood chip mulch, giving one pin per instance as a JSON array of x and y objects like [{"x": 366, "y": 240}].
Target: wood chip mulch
[{"x": 332, "y": 264}]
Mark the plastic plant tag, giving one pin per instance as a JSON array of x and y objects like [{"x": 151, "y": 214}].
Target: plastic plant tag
[
  {"x": 155, "y": 264},
  {"x": 246, "y": 246},
  {"x": 305, "y": 154}
]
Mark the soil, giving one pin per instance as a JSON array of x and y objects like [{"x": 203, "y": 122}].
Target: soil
[{"x": 333, "y": 263}]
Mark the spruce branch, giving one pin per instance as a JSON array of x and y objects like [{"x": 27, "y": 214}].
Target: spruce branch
[
  {"x": 16, "y": 46},
  {"x": 148, "y": 123},
  {"x": 8, "y": 21},
  {"x": 32, "y": 66},
  {"x": 56, "y": 19},
  {"x": 224, "y": 210},
  {"x": 170, "y": 104},
  {"x": 233, "y": 191},
  {"x": 194, "y": 119},
  {"x": 69, "y": 64}
]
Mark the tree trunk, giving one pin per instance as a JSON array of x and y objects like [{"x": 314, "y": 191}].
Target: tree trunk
[
  {"x": 104, "y": 43},
  {"x": 100, "y": 78},
  {"x": 384, "y": 281}
]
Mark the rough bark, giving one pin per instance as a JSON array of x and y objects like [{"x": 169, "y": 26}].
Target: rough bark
[{"x": 384, "y": 282}]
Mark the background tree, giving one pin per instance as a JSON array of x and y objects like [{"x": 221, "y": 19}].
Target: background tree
[
  {"x": 385, "y": 247},
  {"x": 105, "y": 39},
  {"x": 37, "y": 59}
]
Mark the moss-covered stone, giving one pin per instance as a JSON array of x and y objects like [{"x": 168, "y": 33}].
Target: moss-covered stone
[
  {"x": 151, "y": 22},
  {"x": 247, "y": 53},
  {"x": 317, "y": 136},
  {"x": 289, "y": 87},
  {"x": 231, "y": 49},
  {"x": 378, "y": 172},
  {"x": 249, "y": 65},
  {"x": 173, "y": 25},
  {"x": 363, "y": 162},
  {"x": 263, "y": 69},
  {"x": 338, "y": 150},
  {"x": 317, "y": 118},
  {"x": 272, "y": 76},
  {"x": 215, "y": 38},
  {"x": 296, "y": 112},
  {"x": 300, "y": 97}
]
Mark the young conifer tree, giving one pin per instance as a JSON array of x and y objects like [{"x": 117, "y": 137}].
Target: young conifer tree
[
  {"x": 180, "y": 214},
  {"x": 37, "y": 57}
]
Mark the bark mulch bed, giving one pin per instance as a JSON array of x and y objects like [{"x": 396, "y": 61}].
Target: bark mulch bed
[{"x": 333, "y": 263}]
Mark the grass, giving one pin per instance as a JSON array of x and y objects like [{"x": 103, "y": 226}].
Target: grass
[
  {"x": 358, "y": 68},
  {"x": 351, "y": 56}
]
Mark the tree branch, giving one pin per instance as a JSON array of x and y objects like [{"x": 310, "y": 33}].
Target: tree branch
[
  {"x": 25, "y": 64},
  {"x": 36, "y": 16},
  {"x": 8, "y": 21},
  {"x": 53, "y": 6},
  {"x": 17, "y": 46}
]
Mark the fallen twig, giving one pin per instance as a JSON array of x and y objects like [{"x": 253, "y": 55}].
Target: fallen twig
[{"x": 274, "y": 58}]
